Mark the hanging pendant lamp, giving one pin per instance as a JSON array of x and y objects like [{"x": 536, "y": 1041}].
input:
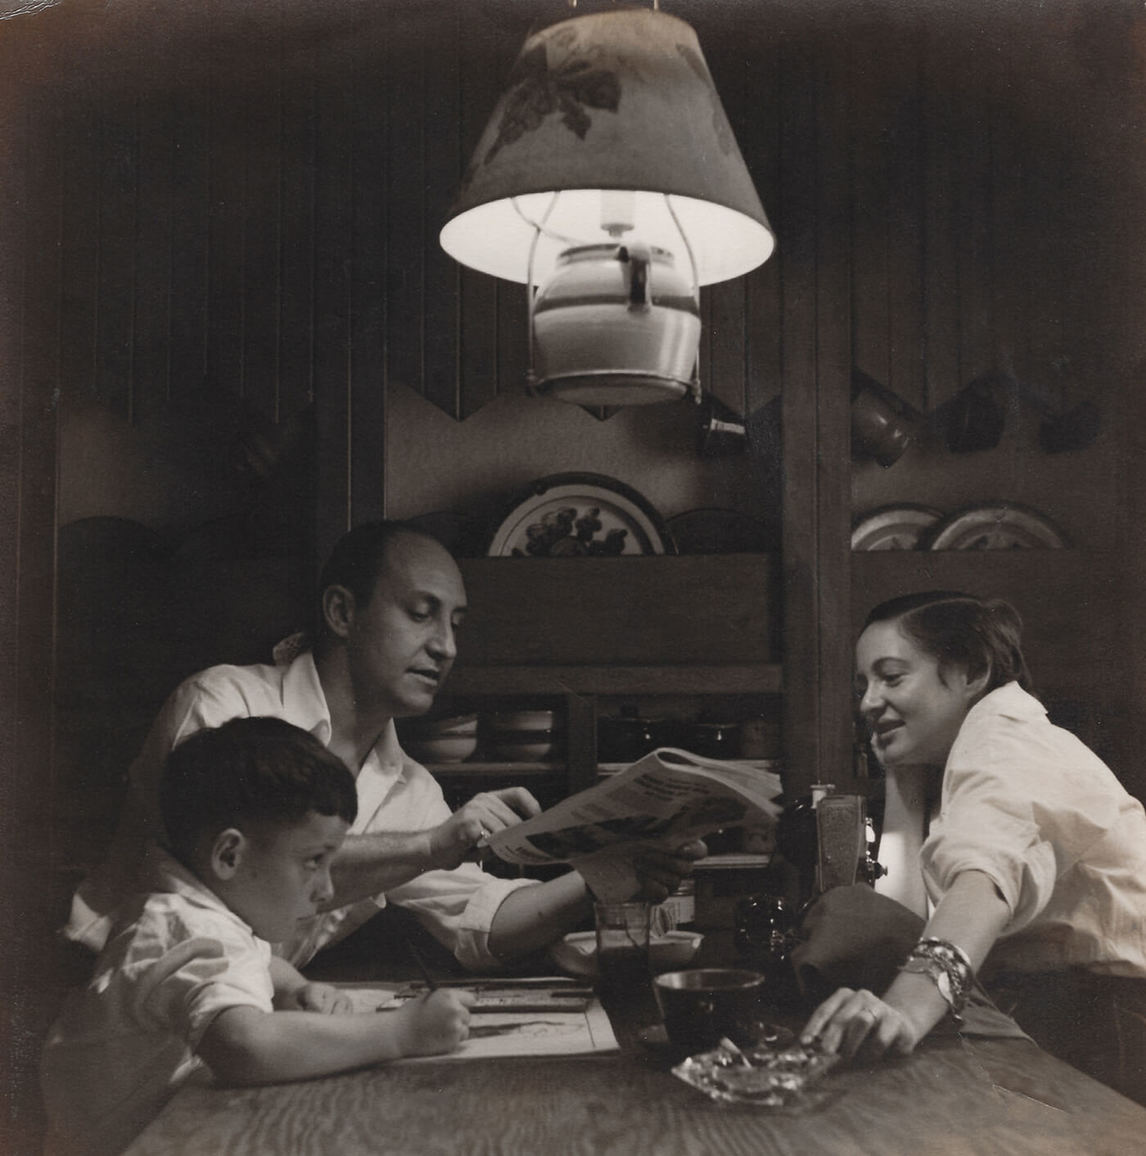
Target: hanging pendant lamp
[{"x": 609, "y": 182}]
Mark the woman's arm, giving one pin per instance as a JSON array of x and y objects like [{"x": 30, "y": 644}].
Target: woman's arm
[{"x": 970, "y": 915}]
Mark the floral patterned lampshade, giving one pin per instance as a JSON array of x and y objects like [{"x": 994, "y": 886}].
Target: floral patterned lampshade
[{"x": 610, "y": 129}]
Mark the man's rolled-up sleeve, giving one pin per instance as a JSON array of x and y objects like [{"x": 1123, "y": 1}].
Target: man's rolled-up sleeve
[{"x": 458, "y": 907}]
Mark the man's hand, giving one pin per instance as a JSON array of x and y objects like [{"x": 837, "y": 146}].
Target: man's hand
[
  {"x": 485, "y": 814},
  {"x": 660, "y": 872},
  {"x": 318, "y": 997}
]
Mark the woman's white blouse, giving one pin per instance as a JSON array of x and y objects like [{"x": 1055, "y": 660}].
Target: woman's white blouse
[{"x": 1029, "y": 805}]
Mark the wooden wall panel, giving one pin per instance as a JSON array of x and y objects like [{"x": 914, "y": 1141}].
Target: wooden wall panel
[
  {"x": 333, "y": 216},
  {"x": 151, "y": 322},
  {"x": 939, "y": 283},
  {"x": 441, "y": 118},
  {"x": 115, "y": 187},
  {"x": 482, "y": 71},
  {"x": 296, "y": 204},
  {"x": 31, "y": 181},
  {"x": 832, "y": 759},
  {"x": 795, "y": 221},
  {"x": 260, "y": 104},
  {"x": 906, "y": 247},
  {"x": 406, "y": 249},
  {"x": 874, "y": 221},
  {"x": 369, "y": 254},
  {"x": 191, "y": 216},
  {"x": 229, "y": 139},
  {"x": 759, "y": 139}
]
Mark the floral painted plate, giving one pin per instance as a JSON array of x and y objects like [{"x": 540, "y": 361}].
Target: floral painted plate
[{"x": 571, "y": 515}]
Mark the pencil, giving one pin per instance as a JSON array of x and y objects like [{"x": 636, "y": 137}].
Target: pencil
[{"x": 416, "y": 955}]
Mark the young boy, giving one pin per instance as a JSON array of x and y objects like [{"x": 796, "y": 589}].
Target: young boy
[{"x": 254, "y": 810}]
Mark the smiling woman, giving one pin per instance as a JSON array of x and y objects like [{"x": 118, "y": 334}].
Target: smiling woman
[{"x": 1018, "y": 845}]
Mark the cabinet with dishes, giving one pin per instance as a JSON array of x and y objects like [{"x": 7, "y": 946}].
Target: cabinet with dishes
[
  {"x": 577, "y": 666},
  {"x": 1021, "y": 512}
]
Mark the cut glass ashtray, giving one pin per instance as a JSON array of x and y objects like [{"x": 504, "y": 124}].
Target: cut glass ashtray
[{"x": 767, "y": 1077}]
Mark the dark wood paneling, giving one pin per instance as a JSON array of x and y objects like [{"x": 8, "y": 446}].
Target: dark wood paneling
[
  {"x": 367, "y": 259},
  {"x": 31, "y": 182},
  {"x": 333, "y": 202},
  {"x": 939, "y": 279},
  {"x": 191, "y": 214},
  {"x": 795, "y": 220},
  {"x": 406, "y": 248},
  {"x": 833, "y": 756},
  {"x": 296, "y": 203},
  {"x": 628, "y": 611},
  {"x": 481, "y": 76},
  {"x": 442, "y": 377}
]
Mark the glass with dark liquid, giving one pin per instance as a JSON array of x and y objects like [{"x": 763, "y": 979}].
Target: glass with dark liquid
[{"x": 622, "y": 952}]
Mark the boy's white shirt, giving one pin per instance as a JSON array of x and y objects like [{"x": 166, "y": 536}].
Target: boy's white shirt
[{"x": 124, "y": 1043}]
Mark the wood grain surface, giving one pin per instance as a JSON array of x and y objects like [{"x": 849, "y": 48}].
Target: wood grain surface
[{"x": 952, "y": 1098}]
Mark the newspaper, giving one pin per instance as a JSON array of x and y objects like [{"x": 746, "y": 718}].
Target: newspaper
[{"x": 663, "y": 800}]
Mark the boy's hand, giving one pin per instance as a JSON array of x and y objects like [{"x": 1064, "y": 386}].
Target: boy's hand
[
  {"x": 319, "y": 997},
  {"x": 435, "y": 1023}
]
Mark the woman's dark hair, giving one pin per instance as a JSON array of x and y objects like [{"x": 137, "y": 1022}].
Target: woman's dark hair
[
  {"x": 978, "y": 634},
  {"x": 250, "y": 770}
]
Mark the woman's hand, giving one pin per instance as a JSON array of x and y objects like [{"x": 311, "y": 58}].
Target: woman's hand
[{"x": 850, "y": 1020}]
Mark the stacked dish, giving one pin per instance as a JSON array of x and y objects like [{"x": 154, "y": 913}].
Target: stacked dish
[
  {"x": 443, "y": 740},
  {"x": 522, "y": 736}
]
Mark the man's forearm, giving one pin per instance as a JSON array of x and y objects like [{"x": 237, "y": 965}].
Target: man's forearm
[
  {"x": 531, "y": 918},
  {"x": 370, "y": 864}
]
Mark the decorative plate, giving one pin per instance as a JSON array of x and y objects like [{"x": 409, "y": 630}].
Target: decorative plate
[
  {"x": 715, "y": 531},
  {"x": 894, "y": 527},
  {"x": 1000, "y": 526},
  {"x": 577, "y": 952},
  {"x": 568, "y": 515}
]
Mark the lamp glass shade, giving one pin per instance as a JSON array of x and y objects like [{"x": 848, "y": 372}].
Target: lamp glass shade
[{"x": 619, "y": 100}]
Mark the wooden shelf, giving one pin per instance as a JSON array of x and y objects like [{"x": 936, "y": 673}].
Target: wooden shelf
[
  {"x": 486, "y": 769},
  {"x": 747, "y": 678}
]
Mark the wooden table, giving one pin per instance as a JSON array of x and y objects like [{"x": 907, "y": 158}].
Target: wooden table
[{"x": 972, "y": 1096}]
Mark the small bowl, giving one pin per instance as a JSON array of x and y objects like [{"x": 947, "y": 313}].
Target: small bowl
[
  {"x": 577, "y": 953},
  {"x": 447, "y": 748},
  {"x": 521, "y": 720},
  {"x": 522, "y": 746},
  {"x": 462, "y": 724}
]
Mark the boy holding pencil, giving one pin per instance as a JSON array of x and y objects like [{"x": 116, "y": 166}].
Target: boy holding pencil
[{"x": 187, "y": 985}]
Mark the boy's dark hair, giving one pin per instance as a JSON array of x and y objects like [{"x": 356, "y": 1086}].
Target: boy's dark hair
[
  {"x": 979, "y": 634},
  {"x": 250, "y": 770}
]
